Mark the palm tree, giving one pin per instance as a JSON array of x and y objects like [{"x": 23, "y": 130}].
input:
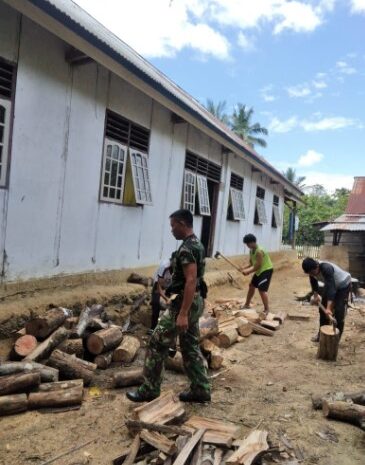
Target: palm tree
[
  {"x": 291, "y": 175},
  {"x": 242, "y": 125},
  {"x": 218, "y": 110}
]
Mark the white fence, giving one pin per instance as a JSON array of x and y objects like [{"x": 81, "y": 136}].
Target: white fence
[{"x": 304, "y": 250}]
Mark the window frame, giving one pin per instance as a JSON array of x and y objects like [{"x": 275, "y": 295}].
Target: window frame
[
  {"x": 239, "y": 213},
  {"x": 189, "y": 205},
  {"x": 145, "y": 174},
  {"x": 203, "y": 195},
  {"x": 108, "y": 141},
  {"x": 5, "y": 143}
]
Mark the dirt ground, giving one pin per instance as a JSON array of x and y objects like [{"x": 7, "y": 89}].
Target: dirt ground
[{"x": 267, "y": 382}]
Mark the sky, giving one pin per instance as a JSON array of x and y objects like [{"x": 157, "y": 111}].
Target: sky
[{"x": 299, "y": 64}]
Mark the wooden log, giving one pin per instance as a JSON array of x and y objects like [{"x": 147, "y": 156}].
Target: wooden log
[
  {"x": 280, "y": 317},
  {"x": 20, "y": 382},
  {"x": 183, "y": 456},
  {"x": 258, "y": 329},
  {"x": 44, "y": 349},
  {"x": 208, "y": 327},
  {"x": 47, "y": 374},
  {"x": 104, "y": 340},
  {"x": 102, "y": 361},
  {"x": 56, "y": 398},
  {"x": 355, "y": 397},
  {"x": 212, "y": 353},
  {"x": 158, "y": 441},
  {"x": 42, "y": 326},
  {"x": 130, "y": 377},
  {"x": 59, "y": 385},
  {"x": 345, "y": 411},
  {"x": 161, "y": 410},
  {"x": 328, "y": 343},
  {"x": 24, "y": 345},
  {"x": 133, "y": 451},
  {"x": 70, "y": 323},
  {"x": 298, "y": 317},
  {"x": 253, "y": 447},
  {"x": 17, "y": 334},
  {"x": 175, "y": 363},
  {"x": 218, "y": 432},
  {"x": 249, "y": 314},
  {"x": 243, "y": 327},
  {"x": 96, "y": 324},
  {"x": 73, "y": 346},
  {"x": 11, "y": 404},
  {"x": 227, "y": 338},
  {"x": 136, "y": 278},
  {"x": 71, "y": 367},
  {"x": 127, "y": 350},
  {"x": 86, "y": 315},
  {"x": 273, "y": 325}
]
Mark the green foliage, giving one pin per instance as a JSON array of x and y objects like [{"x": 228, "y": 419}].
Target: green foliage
[
  {"x": 291, "y": 175},
  {"x": 318, "y": 206}
]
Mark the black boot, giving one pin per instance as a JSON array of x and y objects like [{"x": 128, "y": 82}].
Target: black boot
[
  {"x": 136, "y": 396},
  {"x": 195, "y": 396}
]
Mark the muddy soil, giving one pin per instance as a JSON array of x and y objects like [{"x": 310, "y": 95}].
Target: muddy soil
[{"x": 269, "y": 382}]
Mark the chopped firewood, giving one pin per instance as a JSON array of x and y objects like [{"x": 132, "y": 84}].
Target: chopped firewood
[
  {"x": 258, "y": 329},
  {"x": 161, "y": 410},
  {"x": 249, "y": 314},
  {"x": 56, "y": 397},
  {"x": 130, "y": 377},
  {"x": 44, "y": 349},
  {"x": 234, "y": 301},
  {"x": 165, "y": 429},
  {"x": 218, "y": 456},
  {"x": 345, "y": 411},
  {"x": 104, "y": 340},
  {"x": 11, "y": 404},
  {"x": 48, "y": 374},
  {"x": 72, "y": 367},
  {"x": 355, "y": 397},
  {"x": 86, "y": 315},
  {"x": 60, "y": 385},
  {"x": 133, "y": 451},
  {"x": 273, "y": 325},
  {"x": 212, "y": 353},
  {"x": 20, "y": 382},
  {"x": 217, "y": 432},
  {"x": 159, "y": 441},
  {"x": 280, "y": 317},
  {"x": 254, "y": 446},
  {"x": 328, "y": 343},
  {"x": 102, "y": 361},
  {"x": 145, "y": 451},
  {"x": 42, "y": 327},
  {"x": 197, "y": 454},
  {"x": 24, "y": 345},
  {"x": 227, "y": 338},
  {"x": 243, "y": 327},
  {"x": 298, "y": 316},
  {"x": 208, "y": 327},
  {"x": 188, "y": 448},
  {"x": 175, "y": 363},
  {"x": 127, "y": 350},
  {"x": 73, "y": 346}
]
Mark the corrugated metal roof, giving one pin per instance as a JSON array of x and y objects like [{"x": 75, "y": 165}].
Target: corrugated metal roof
[
  {"x": 347, "y": 223},
  {"x": 356, "y": 202},
  {"x": 80, "y": 22}
]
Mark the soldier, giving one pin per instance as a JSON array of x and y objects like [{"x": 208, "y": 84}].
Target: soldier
[{"x": 182, "y": 318}]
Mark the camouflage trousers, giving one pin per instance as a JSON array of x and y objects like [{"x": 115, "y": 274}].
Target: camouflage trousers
[{"x": 164, "y": 337}]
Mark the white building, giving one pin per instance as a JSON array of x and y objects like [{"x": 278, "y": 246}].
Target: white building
[{"x": 97, "y": 148}]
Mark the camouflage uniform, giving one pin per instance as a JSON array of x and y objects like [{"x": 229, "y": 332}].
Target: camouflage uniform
[{"x": 165, "y": 334}]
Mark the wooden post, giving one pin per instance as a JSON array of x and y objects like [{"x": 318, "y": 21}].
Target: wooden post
[
  {"x": 328, "y": 343},
  {"x": 72, "y": 367},
  {"x": 104, "y": 340},
  {"x": 43, "y": 326},
  {"x": 16, "y": 403}
]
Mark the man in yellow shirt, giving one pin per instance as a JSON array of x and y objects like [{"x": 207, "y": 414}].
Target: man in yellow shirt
[{"x": 262, "y": 267}]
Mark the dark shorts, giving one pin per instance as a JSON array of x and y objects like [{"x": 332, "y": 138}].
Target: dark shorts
[{"x": 262, "y": 281}]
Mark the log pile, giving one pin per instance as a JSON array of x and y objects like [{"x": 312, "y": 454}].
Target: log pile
[{"x": 192, "y": 441}]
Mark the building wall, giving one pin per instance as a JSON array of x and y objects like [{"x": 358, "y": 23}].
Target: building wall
[{"x": 51, "y": 218}]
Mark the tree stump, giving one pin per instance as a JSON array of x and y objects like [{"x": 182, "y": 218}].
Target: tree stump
[
  {"x": 104, "y": 340},
  {"x": 127, "y": 350},
  {"x": 328, "y": 343},
  {"x": 41, "y": 327}
]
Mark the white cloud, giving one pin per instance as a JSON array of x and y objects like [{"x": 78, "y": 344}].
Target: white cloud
[
  {"x": 329, "y": 124},
  {"x": 244, "y": 42},
  {"x": 330, "y": 181},
  {"x": 267, "y": 95},
  {"x": 299, "y": 91},
  {"x": 283, "y": 126},
  {"x": 310, "y": 158},
  {"x": 344, "y": 68},
  {"x": 358, "y": 6},
  {"x": 297, "y": 16},
  {"x": 319, "y": 84}
]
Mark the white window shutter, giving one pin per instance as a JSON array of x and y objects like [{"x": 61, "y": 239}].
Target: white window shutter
[
  {"x": 203, "y": 195},
  {"x": 141, "y": 177},
  {"x": 113, "y": 174},
  {"x": 189, "y": 191},
  {"x": 237, "y": 204}
]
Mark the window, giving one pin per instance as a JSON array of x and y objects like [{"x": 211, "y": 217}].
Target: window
[
  {"x": 275, "y": 218},
  {"x": 6, "y": 94},
  {"x": 114, "y": 166},
  {"x": 260, "y": 211},
  {"x": 141, "y": 177},
  {"x": 236, "y": 209},
  {"x": 125, "y": 174},
  {"x": 203, "y": 195},
  {"x": 189, "y": 191},
  {"x": 202, "y": 166}
]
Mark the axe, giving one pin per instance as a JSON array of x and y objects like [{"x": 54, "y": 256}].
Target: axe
[
  {"x": 332, "y": 319},
  {"x": 219, "y": 255}
]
